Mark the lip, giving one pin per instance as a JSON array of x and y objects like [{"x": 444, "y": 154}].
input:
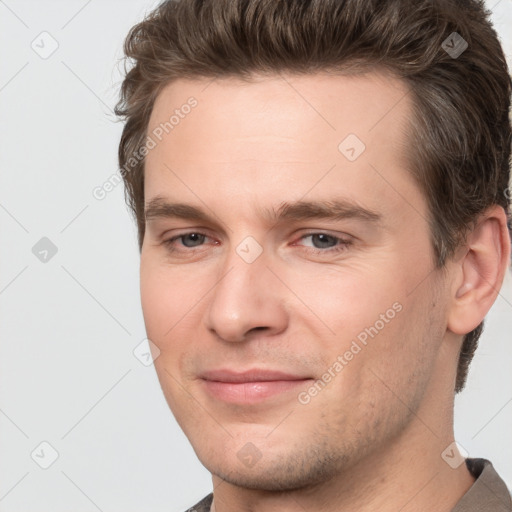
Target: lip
[
  {"x": 253, "y": 375},
  {"x": 251, "y": 386}
]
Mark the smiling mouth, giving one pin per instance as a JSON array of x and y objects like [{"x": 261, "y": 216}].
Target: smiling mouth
[{"x": 251, "y": 386}]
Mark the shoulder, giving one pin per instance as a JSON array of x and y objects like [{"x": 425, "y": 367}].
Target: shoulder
[
  {"x": 203, "y": 506},
  {"x": 489, "y": 492}
]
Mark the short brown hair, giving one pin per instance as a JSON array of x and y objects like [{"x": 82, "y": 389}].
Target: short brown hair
[{"x": 460, "y": 136}]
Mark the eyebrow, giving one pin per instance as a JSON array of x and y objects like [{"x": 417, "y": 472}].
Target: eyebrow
[{"x": 334, "y": 209}]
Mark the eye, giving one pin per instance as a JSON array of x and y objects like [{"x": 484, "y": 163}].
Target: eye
[
  {"x": 325, "y": 243},
  {"x": 322, "y": 241},
  {"x": 188, "y": 240},
  {"x": 319, "y": 243},
  {"x": 192, "y": 239}
]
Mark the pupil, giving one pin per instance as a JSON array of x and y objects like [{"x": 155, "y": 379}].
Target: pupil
[
  {"x": 323, "y": 240},
  {"x": 194, "y": 238}
]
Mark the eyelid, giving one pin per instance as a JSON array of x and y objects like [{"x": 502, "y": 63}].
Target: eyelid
[
  {"x": 342, "y": 242},
  {"x": 341, "y": 236},
  {"x": 177, "y": 232},
  {"x": 200, "y": 231},
  {"x": 173, "y": 238}
]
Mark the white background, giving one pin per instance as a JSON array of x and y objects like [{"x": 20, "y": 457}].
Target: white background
[{"x": 69, "y": 326}]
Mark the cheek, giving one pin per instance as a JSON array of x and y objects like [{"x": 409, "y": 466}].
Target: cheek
[
  {"x": 158, "y": 303},
  {"x": 168, "y": 300},
  {"x": 349, "y": 299},
  {"x": 368, "y": 313}
]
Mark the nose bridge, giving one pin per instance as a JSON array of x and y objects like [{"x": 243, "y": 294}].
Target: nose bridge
[{"x": 244, "y": 297}]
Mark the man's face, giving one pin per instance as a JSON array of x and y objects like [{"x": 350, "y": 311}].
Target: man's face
[{"x": 292, "y": 344}]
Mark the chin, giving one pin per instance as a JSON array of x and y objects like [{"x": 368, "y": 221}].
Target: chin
[{"x": 287, "y": 469}]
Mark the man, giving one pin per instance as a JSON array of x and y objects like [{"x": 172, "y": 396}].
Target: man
[{"x": 320, "y": 188}]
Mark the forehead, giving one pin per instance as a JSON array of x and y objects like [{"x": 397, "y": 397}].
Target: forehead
[
  {"x": 301, "y": 110},
  {"x": 279, "y": 135}
]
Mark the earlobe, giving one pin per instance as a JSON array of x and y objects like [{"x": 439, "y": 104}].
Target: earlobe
[{"x": 480, "y": 272}]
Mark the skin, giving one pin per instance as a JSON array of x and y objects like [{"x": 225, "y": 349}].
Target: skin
[{"x": 372, "y": 438}]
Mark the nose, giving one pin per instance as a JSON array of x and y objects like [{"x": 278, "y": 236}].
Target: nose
[{"x": 247, "y": 299}]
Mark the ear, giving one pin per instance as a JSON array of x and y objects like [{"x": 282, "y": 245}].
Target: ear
[{"x": 479, "y": 272}]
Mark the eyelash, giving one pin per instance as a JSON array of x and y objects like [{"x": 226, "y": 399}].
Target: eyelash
[{"x": 343, "y": 244}]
